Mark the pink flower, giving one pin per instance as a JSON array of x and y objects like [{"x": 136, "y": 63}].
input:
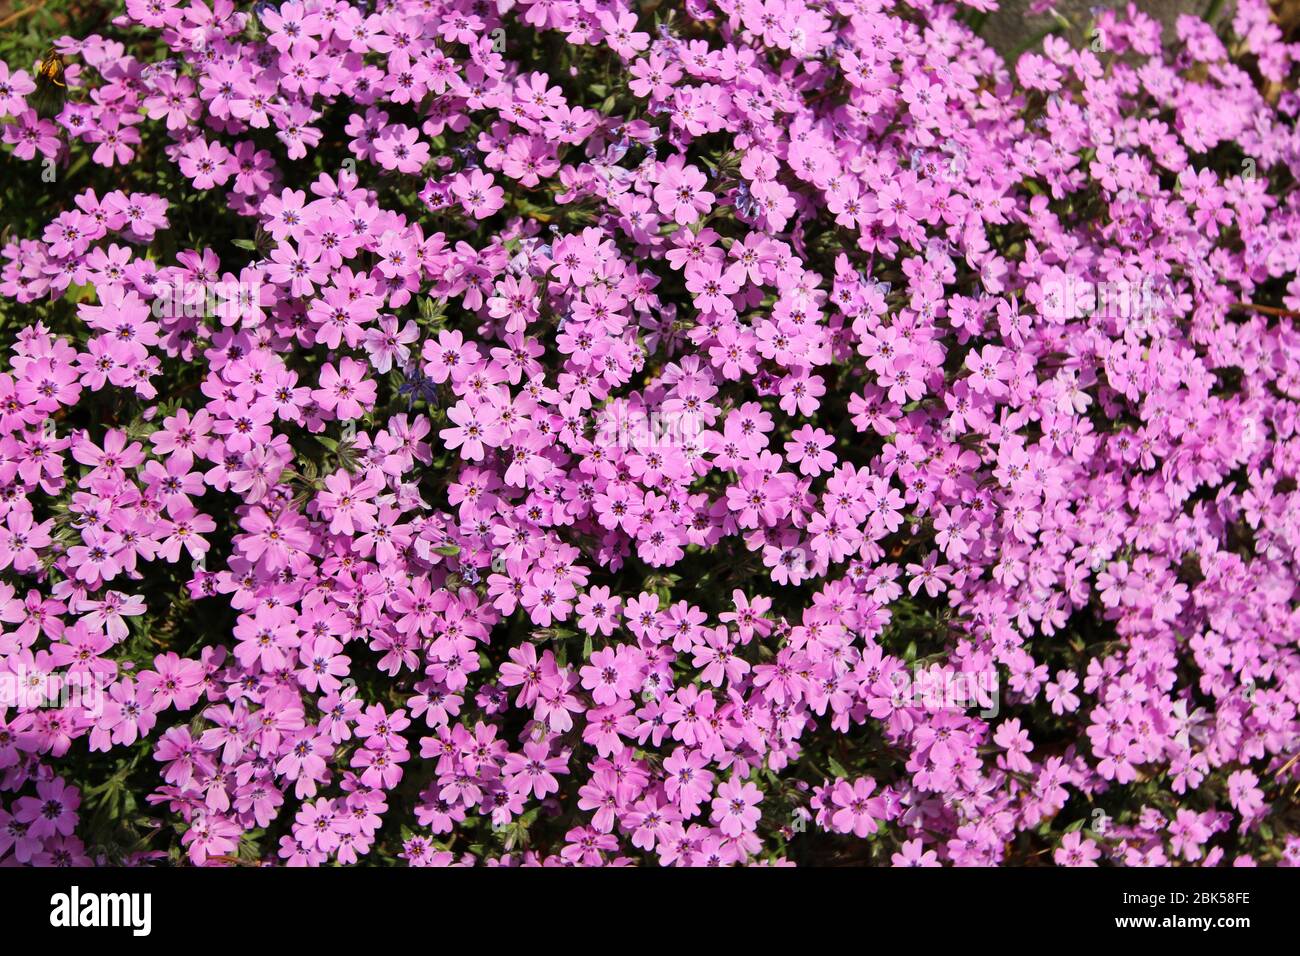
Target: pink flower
[
  {"x": 477, "y": 194},
  {"x": 1076, "y": 850},
  {"x": 680, "y": 194},
  {"x": 206, "y": 164},
  {"x": 345, "y": 390},
  {"x": 735, "y": 808}
]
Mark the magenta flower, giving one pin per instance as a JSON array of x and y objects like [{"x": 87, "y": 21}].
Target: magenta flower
[
  {"x": 735, "y": 808},
  {"x": 808, "y": 418}
]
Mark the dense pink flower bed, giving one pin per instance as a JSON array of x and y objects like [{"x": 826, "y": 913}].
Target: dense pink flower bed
[{"x": 672, "y": 434}]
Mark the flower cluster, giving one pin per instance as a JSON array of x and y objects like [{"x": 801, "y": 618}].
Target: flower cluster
[{"x": 592, "y": 432}]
